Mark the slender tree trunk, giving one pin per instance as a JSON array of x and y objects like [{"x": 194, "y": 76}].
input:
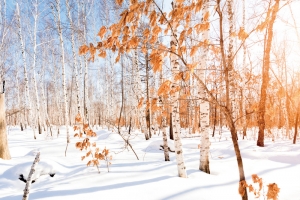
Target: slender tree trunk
[
  {"x": 286, "y": 102},
  {"x": 296, "y": 124},
  {"x": 59, "y": 29},
  {"x": 27, "y": 101},
  {"x": 175, "y": 116},
  {"x": 228, "y": 109},
  {"x": 265, "y": 76},
  {"x": 35, "y": 16},
  {"x": 75, "y": 64},
  {"x": 19, "y": 101},
  {"x": 171, "y": 128},
  {"x": 243, "y": 95},
  {"x": 138, "y": 91},
  {"x": 164, "y": 124},
  {"x": 28, "y": 181},
  {"x": 148, "y": 111}
]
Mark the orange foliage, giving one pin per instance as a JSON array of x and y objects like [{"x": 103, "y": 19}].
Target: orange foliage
[
  {"x": 83, "y": 50},
  {"x": 164, "y": 88}
]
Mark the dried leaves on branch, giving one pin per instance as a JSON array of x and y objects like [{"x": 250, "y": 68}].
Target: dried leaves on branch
[
  {"x": 94, "y": 154},
  {"x": 272, "y": 193}
]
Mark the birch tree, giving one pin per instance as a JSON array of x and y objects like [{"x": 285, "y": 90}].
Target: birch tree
[
  {"x": 75, "y": 64},
  {"x": 138, "y": 91},
  {"x": 56, "y": 13},
  {"x": 204, "y": 105},
  {"x": 175, "y": 114},
  {"x": 35, "y": 17},
  {"x": 27, "y": 99}
]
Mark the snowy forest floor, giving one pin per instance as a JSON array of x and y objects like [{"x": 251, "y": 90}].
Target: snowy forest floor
[{"x": 150, "y": 177}]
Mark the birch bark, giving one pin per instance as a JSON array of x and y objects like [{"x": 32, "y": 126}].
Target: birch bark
[
  {"x": 86, "y": 96},
  {"x": 27, "y": 101},
  {"x": 59, "y": 29},
  {"x": 175, "y": 114},
  {"x": 164, "y": 123},
  {"x": 204, "y": 105},
  {"x": 28, "y": 182},
  {"x": 35, "y": 16},
  {"x": 139, "y": 95},
  {"x": 75, "y": 64}
]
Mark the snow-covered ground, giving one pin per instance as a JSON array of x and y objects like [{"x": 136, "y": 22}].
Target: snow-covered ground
[{"x": 150, "y": 177}]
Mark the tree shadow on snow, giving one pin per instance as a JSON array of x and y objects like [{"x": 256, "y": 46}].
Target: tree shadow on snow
[{"x": 45, "y": 193}]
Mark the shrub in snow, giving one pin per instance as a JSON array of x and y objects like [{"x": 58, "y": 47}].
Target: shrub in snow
[{"x": 92, "y": 150}]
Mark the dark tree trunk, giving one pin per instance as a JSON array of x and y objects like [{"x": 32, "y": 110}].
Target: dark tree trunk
[
  {"x": 171, "y": 128},
  {"x": 40, "y": 128},
  {"x": 296, "y": 125},
  {"x": 215, "y": 118},
  {"x": 21, "y": 125}
]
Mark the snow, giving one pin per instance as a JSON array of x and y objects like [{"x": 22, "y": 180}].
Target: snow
[{"x": 150, "y": 177}]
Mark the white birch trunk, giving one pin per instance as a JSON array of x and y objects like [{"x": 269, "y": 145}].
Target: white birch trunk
[
  {"x": 45, "y": 101},
  {"x": 204, "y": 105},
  {"x": 86, "y": 96},
  {"x": 175, "y": 116},
  {"x": 28, "y": 182},
  {"x": 75, "y": 64},
  {"x": 59, "y": 29},
  {"x": 35, "y": 16},
  {"x": 107, "y": 109},
  {"x": 164, "y": 124},
  {"x": 139, "y": 95},
  {"x": 19, "y": 100},
  {"x": 27, "y": 101}
]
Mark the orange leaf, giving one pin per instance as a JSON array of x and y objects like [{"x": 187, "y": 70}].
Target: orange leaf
[
  {"x": 242, "y": 34},
  {"x": 78, "y": 145},
  {"x": 206, "y": 16},
  {"x": 194, "y": 50},
  {"x": 140, "y": 102},
  {"x": 164, "y": 88},
  {"x": 156, "y": 61},
  {"x": 89, "y": 163},
  {"x": 146, "y": 32},
  {"x": 119, "y": 2},
  {"x": 78, "y": 118},
  {"x": 83, "y": 50},
  {"x": 117, "y": 58}
]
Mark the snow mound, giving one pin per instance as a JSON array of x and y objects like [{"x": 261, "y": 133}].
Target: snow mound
[
  {"x": 42, "y": 168},
  {"x": 155, "y": 146}
]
